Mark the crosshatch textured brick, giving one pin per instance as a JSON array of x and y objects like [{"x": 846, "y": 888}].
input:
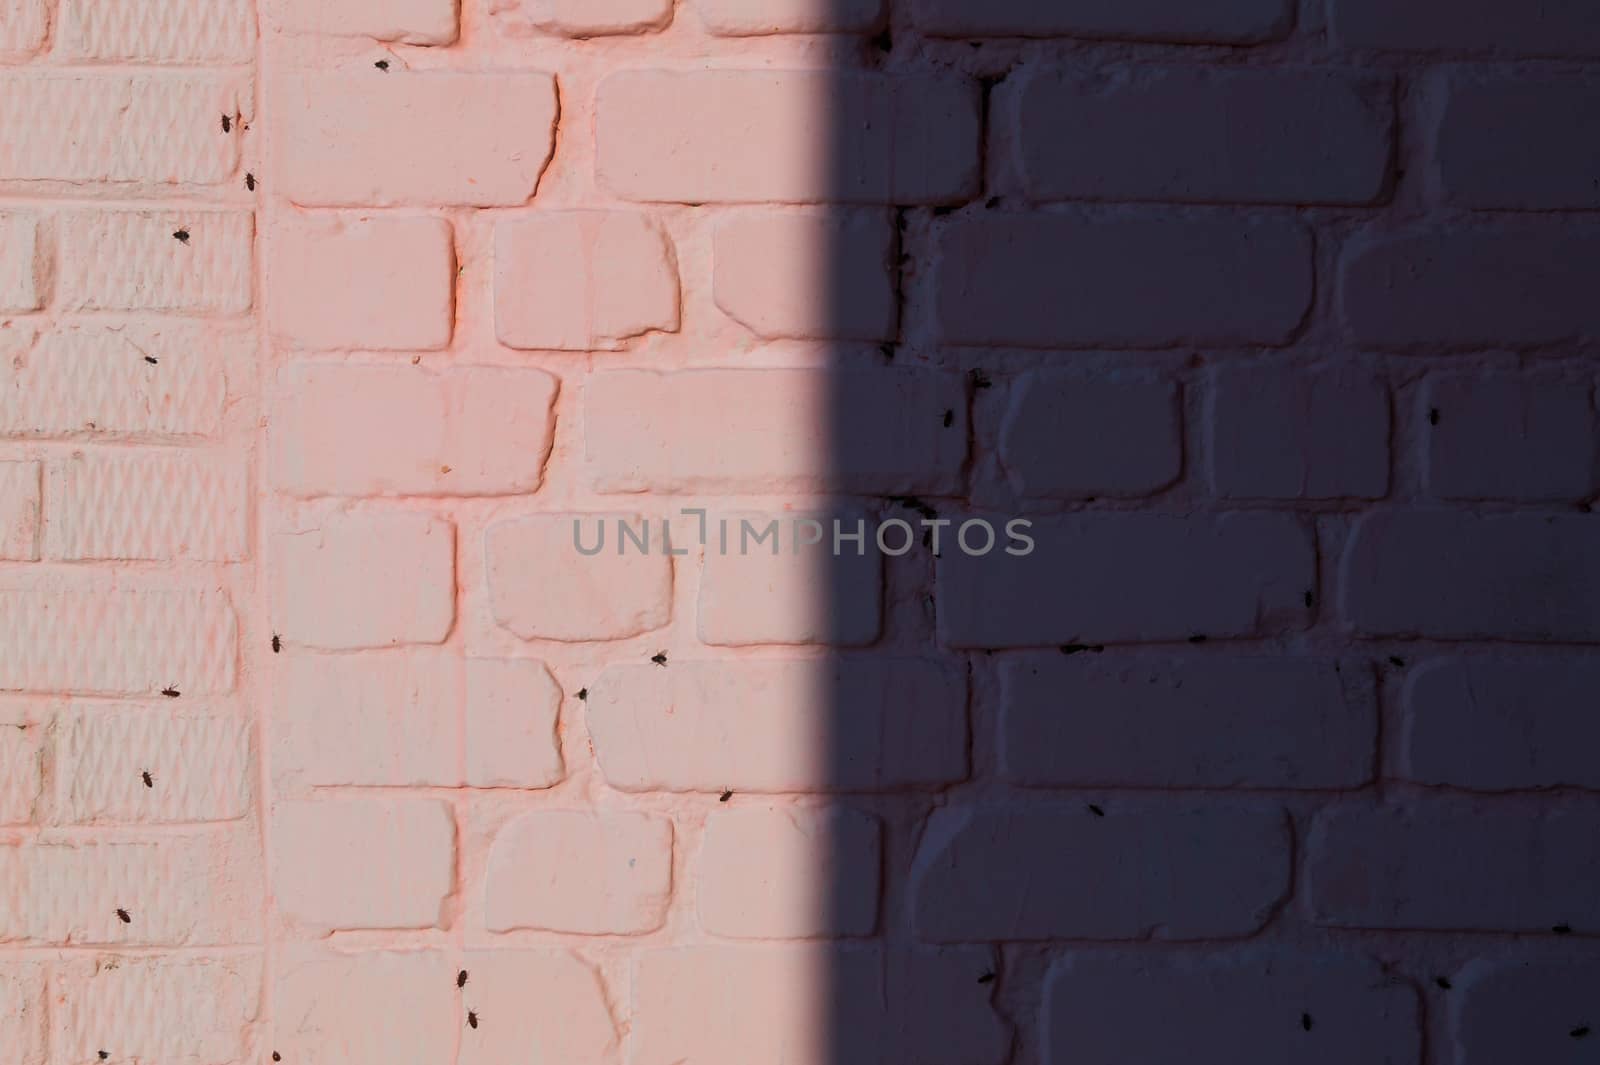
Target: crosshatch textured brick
[{"x": 322, "y": 322}]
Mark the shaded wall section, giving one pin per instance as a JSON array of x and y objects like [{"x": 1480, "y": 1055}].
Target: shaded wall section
[{"x": 1273, "y": 320}]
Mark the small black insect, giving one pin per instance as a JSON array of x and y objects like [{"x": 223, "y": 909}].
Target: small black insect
[
  {"x": 1197, "y": 638},
  {"x": 1579, "y": 1032},
  {"x": 726, "y": 795},
  {"x": 277, "y": 643},
  {"x": 1562, "y": 929},
  {"x": 171, "y": 693},
  {"x": 1396, "y": 660},
  {"x": 250, "y": 182},
  {"x": 987, "y": 977},
  {"x": 122, "y": 915},
  {"x": 276, "y": 1056},
  {"x": 461, "y": 978},
  {"x": 949, "y": 418},
  {"x": 1095, "y": 809},
  {"x": 104, "y": 1054},
  {"x": 659, "y": 658},
  {"x": 980, "y": 379},
  {"x": 149, "y": 781},
  {"x": 991, "y": 203},
  {"x": 1079, "y": 648},
  {"x": 472, "y": 1019},
  {"x": 1433, "y": 415},
  {"x": 1305, "y": 1021},
  {"x": 1309, "y": 598},
  {"x": 1443, "y": 982},
  {"x": 383, "y": 64},
  {"x": 227, "y": 123},
  {"x": 181, "y": 236},
  {"x": 152, "y": 360},
  {"x": 583, "y": 694}
]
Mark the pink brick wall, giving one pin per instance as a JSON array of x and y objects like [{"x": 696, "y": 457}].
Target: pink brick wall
[{"x": 321, "y": 322}]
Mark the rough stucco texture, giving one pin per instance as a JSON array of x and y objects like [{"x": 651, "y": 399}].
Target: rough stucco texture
[{"x": 320, "y": 319}]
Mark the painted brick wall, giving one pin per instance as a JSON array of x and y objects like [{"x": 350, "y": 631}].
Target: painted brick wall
[{"x": 320, "y": 321}]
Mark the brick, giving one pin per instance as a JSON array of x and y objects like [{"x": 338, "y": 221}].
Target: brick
[
  {"x": 21, "y": 775},
  {"x": 1466, "y": 287},
  {"x": 583, "y": 280},
  {"x": 541, "y": 587},
  {"x": 1115, "y": 578},
  {"x": 797, "y": 430},
  {"x": 1488, "y": 725},
  {"x": 152, "y": 505},
  {"x": 363, "y": 863},
  {"x": 131, "y": 261},
  {"x": 339, "y": 145},
  {"x": 910, "y": 1005},
  {"x": 730, "y": 136},
  {"x": 789, "y": 873},
  {"x": 1205, "y": 136},
  {"x": 198, "y": 764},
  {"x": 807, "y": 275},
  {"x": 425, "y": 22},
  {"x": 365, "y": 580},
  {"x": 153, "y": 1009},
  {"x": 545, "y": 1003},
  {"x": 1556, "y": 28},
  {"x": 1246, "y": 1005},
  {"x": 23, "y": 24},
  {"x": 23, "y": 1012},
  {"x": 1522, "y": 1009},
  {"x": 467, "y": 431},
  {"x": 754, "y": 593},
  {"x": 157, "y": 31},
  {"x": 1298, "y": 434},
  {"x": 333, "y": 720},
  {"x": 91, "y": 637},
  {"x": 1421, "y": 866},
  {"x": 324, "y": 1000},
  {"x": 395, "y": 278},
  {"x": 689, "y": 726},
  {"x": 1047, "y": 281},
  {"x": 1457, "y": 575},
  {"x": 1074, "y": 435},
  {"x": 1503, "y": 436},
  {"x": 1253, "y": 722},
  {"x": 190, "y": 889},
  {"x": 1500, "y": 145},
  {"x": 1017, "y": 872},
  {"x": 19, "y": 511},
  {"x": 156, "y": 128},
  {"x": 97, "y": 381},
  {"x": 616, "y": 873},
  {"x": 733, "y": 18},
  {"x": 594, "y": 18},
  {"x": 1232, "y": 22},
  {"x": 22, "y": 276}
]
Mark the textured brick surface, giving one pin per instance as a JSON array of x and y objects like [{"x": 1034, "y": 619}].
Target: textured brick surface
[
  {"x": 393, "y": 277},
  {"x": 322, "y": 743},
  {"x": 557, "y": 280},
  {"x": 1192, "y": 136},
  {"x": 618, "y": 873},
  {"x": 1257, "y": 1005},
  {"x": 1155, "y": 722},
  {"x": 470, "y": 431},
  {"x": 729, "y": 135},
  {"x": 363, "y": 863},
  {"x": 339, "y": 145},
  {"x": 1016, "y": 872},
  {"x": 1000, "y": 281}
]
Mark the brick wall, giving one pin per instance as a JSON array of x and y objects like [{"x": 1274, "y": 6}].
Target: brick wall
[{"x": 322, "y": 322}]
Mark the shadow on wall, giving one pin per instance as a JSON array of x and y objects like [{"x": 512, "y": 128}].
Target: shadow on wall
[{"x": 1247, "y": 760}]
